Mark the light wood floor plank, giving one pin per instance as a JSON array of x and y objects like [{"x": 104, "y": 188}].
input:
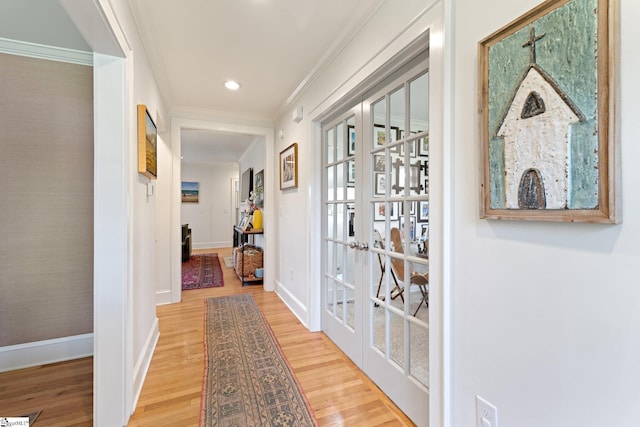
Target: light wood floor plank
[{"x": 339, "y": 393}]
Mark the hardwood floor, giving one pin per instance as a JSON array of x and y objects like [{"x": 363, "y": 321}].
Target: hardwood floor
[{"x": 339, "y": 393}]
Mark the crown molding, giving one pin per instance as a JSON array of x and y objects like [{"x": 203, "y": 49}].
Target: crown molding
[
  {"x": 51, "y": 53},
  {"x": 330, "y": 55}
]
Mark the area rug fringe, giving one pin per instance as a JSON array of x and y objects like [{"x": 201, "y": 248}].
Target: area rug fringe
[{"x": 247, "y": 379}]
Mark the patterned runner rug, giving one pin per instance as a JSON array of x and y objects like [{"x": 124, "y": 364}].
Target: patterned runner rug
[
  {"x": 202, "y": 271},
  {"x": 247, "y": 380}
]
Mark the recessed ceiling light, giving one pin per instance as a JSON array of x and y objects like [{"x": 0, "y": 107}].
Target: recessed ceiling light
[{"x": 231, "y": 85}]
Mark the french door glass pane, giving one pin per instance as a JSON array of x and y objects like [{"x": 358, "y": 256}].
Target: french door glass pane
[
  {"x": 398, "y": 170},
  {"x": 378, "y": 127},
  {"x": 418, "y": 97},
  {"x": 340, "y": 142},
  {"x": 340, "y": 212},
  {"x": 331, "y": 145},
  {"x": 419, "y": 353},
  {"x": 351, "y": 298},
  {"x": 330, "y": 222},
  {"x": 396, "y": 338},
  {"x": 330, "y": 295},
  {"x": 340, "y": 182},
  {"x": 331, "y": 181},
  {"x": 351, "y": 136},
  {"x": 339, "y": 261},
  {"x": 339, "y": 300},
  {"x": 397, "y": 110},
  {"x": 379, "y": 322}
]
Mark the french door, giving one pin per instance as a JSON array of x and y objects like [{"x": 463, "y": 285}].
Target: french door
[{"x": 375, "y": 236}]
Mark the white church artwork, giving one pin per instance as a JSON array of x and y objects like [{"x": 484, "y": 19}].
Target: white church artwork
[
  {"x": 548, "y": 146},
  {"x": 537, "y": 136}
]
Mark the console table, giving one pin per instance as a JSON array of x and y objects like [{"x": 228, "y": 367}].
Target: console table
[{"x": 241, "y": 238}]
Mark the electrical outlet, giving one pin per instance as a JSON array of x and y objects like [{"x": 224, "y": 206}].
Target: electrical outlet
[{"x": 486, "y": 413}]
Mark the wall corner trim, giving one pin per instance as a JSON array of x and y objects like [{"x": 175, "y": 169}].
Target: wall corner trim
[
  {"x": 294, "y": 304},
  {"x": 52, "y": 53},
  {"x": 144, "y": 361},
  {"x": 38, "y": 353}
]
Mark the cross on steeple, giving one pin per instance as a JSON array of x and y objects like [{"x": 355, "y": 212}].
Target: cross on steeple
[{"x": 531, "y": 43}]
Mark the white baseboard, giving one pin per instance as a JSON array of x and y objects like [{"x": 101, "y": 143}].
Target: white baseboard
[
  {"x": 163, "y": 297},
  {"x": 44, "y": 352},
  {"x": 212, "y": 245},
  {"x": 294, "y": 304},
  {"x": 142, "y": 364}
]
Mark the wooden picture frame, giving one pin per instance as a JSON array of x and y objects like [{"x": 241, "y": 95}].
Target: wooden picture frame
[
  {"x": 548, "y": 97},
  {"x": 289, "y": 167},
  {"x": 147, "y": 144}
]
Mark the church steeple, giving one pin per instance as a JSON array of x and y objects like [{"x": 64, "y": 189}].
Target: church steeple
[{"x": 531, "y": 43}]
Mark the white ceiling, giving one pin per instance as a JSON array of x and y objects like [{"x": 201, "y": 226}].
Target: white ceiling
[{"x": 271, "y": 47}]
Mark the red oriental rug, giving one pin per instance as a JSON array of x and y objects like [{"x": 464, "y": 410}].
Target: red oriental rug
[{"x": 202, "y": 271}]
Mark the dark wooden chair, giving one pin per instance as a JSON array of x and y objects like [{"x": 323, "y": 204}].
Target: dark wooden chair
[{"x": 186, "y": 242}]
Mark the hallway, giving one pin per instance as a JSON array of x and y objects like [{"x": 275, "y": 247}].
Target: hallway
[{"x": 339, "y": 393}]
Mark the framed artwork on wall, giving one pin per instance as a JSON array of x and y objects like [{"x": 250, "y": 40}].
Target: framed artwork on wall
[
  {"x": 190, "y": 192},
  {"x": 547, "y": 98},
  {"x": 147, "y": 144},
  {"x": 289, "y": 167},
  {"x": 351, "y": 149},
  {"x": 258, "y": 189}
]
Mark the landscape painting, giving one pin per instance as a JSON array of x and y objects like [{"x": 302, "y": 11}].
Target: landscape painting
[{"x": 190, "y": 192}]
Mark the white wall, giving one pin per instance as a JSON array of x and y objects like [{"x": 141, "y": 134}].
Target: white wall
[
  {"x": 554, "y": 345},
  {"x": 140, "y": 88},
  {"x": 211, "y": 219},
  {"x": 545, "y": 315},
  {"x": 144, "y": 210}
]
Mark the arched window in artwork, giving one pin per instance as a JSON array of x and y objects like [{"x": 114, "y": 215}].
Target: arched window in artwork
[
  {"x": 531, "y": 191},
  {"x": 533, "y": 106}
]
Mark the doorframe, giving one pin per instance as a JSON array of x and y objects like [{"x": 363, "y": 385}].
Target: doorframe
[
  {"x": 113, "y": 385},
  {"x": 431, "y": 27},
  {"x": 268, "y": 133}
]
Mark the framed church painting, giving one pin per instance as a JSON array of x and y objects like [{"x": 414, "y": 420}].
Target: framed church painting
[{"x": 547, "y": 102}]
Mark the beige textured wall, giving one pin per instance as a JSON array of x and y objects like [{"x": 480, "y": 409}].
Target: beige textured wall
[{"x": 46, "y": 199}]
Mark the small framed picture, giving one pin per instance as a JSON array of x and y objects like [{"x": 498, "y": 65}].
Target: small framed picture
[
  {"x": 423, "y": 211},
  {"x": 289, "y": 167},
  {"x": 380, "y": 184},
  {"x": 424, "y": 232},
  {"x": 379, "y": 135},
  {"x": 351, "y": 146},
  {"x": 382, "y": 210},
  {"x": 412, "y": 148},
  {"x": 351, "y": 172},
  {"x": 378, "y": 163},
  {"x": 379, "y": 211},
  {"x": 423, "y": 147},
  {"x": 412, "y": 225}
]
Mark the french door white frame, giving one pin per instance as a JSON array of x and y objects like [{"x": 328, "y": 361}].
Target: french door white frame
[{"x": 426, "y": 29}]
